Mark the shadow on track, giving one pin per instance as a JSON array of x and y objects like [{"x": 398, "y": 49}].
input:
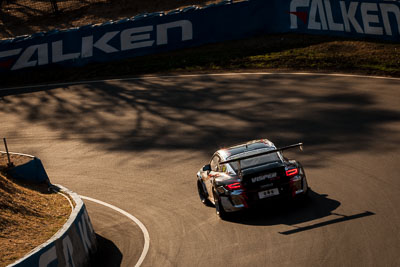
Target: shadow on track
[
  {"x": 205, "y": 113},
  {"x": 291, "y": 213},
  {"x": 107, "y": 254}
]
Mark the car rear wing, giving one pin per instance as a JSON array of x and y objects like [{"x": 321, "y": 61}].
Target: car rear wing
[{"x": 260, "y": 154}]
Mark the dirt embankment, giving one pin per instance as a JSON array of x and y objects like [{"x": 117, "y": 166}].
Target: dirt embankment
[
  {"x": 26, "y": 17},
  {"x": 29, "y": 214}
]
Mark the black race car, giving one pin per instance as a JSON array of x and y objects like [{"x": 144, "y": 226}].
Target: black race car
[{"x": 244, "y": 175}]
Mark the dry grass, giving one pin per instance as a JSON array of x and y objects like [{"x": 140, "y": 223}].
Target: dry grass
[
  {"x": 15, "y": 159},
  {"x": 29, "y": 216},
  {"x": 29, "y": 16}
]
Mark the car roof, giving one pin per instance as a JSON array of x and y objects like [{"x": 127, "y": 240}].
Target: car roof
[{"x": 228, "y": 152}]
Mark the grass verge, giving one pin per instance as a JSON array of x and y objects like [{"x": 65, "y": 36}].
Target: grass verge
[{"x": 29, "y": 215}]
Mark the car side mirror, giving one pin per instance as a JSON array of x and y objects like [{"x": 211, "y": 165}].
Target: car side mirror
[{"x": 206, "y": 168}]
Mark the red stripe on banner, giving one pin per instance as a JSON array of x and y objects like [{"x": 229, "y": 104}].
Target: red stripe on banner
[
  {"x": 301, "y": 15},
  {"x": 6, "y": 64}
]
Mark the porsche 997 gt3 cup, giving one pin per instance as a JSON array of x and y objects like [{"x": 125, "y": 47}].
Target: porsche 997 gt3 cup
[{"x": 241, "y": 176}]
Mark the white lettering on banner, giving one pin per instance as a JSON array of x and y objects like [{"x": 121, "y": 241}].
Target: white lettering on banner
[
  {"x": 89, "y": 225},
  {"x": 102, "y": 43},
  {"x": 87, "y": 46},
  {"x": 162, "y": 31},
  {"x": 317, "y": 6},
  {"x": 68, "y": 251},
  {"x": 293, "y": 8},
  {"x": 48, "y": 257},
  {"x": 333, "y": 26},
  {"x": 349, "y": 16},
  {"x": 132, "y": 38},
  {"x": 83, "y": 226},
  {"x": 375, "y": 18},
  {"x": 370, "y": 18},
  {"x": 385, "y": 9},
  {"x": 57, "y": 52},
  {"x": 24, "y": 60},
  {"x": 10, "y": 53}
]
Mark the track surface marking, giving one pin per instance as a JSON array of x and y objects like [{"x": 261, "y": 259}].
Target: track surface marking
[{"x": 134, "y": 219}]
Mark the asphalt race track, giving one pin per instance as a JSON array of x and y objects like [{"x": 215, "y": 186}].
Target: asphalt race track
[{"x": 137, "y": 144}]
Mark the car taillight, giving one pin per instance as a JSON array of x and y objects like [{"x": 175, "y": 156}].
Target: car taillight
[
  {"x": 233, "y": 186},
  {"x": 292, "y": 172}
]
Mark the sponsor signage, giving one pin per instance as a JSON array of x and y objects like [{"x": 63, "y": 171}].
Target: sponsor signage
[
  {"x": 263, "y": 177},
  {"x": 366, "y": 18},
  {"x": 159, "y": 32},
  {"x": 107, "y": 43}
]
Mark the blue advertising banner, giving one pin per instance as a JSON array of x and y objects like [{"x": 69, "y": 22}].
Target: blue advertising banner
[
  {"x": 159, "y": 32},
  {"x": 364, "y": 18}
]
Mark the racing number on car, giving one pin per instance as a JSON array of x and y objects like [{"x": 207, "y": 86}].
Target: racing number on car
[{"x": 268, "y": 193}]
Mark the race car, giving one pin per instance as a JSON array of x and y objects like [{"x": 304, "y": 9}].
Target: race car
[{"x": 242, "y": 176}]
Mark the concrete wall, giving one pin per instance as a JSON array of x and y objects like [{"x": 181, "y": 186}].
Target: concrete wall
[
  {"x": 75, "y": 242},
  {"x": 72, "y": 245}
]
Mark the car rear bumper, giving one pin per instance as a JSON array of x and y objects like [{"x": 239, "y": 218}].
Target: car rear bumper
[{"x": 237, "y": 200}]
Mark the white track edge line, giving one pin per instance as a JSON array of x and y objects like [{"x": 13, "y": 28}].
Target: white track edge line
[
  {"x": 69, "y": 200},
  {"x": 135, "y": 220},
  {"x": 199, "y": 75}
]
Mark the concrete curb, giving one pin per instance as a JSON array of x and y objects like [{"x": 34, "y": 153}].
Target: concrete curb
[{"x": 72, "y": 245}]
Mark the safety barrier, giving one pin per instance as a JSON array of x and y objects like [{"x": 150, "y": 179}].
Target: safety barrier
[
  {"x": 74, "y": 243},
  {"x": 31, "y": 171},
  {"x": 159, "y": 32}
]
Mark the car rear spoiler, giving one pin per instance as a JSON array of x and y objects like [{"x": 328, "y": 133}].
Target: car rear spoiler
[{"x": 261, "y": 153}]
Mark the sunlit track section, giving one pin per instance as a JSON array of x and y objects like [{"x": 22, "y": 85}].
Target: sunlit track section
[
  {"x": 135, "y": 220},
  {"x": 149, "y": 77}
]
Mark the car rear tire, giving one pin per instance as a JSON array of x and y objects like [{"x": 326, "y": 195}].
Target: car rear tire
[
  {"x": 306, "y": 194},
  {"x": 218, "y": 207},
  {"x": 202, "y": 194}
]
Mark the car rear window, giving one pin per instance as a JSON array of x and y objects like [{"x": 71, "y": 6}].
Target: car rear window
[{"x": 263, "y": 159}]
